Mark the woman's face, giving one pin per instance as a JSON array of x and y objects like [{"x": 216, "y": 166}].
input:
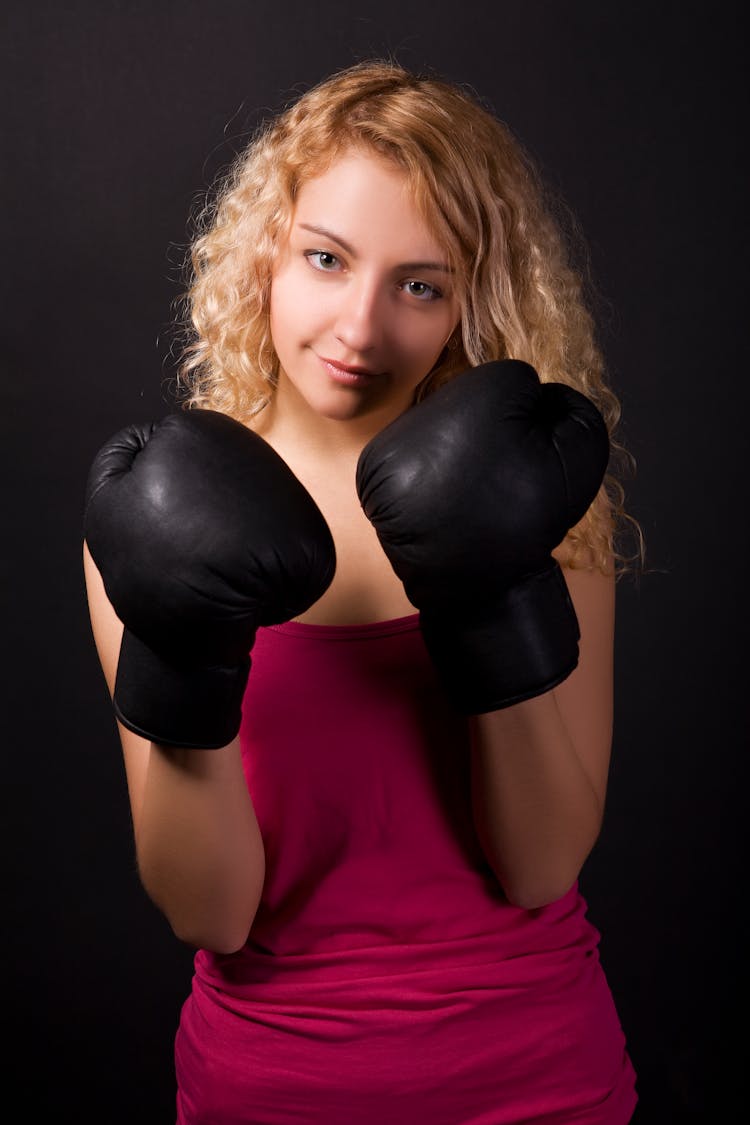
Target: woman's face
[{"x": 362, "y": 300}]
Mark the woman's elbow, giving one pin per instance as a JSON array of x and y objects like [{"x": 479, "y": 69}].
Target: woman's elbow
[
  {"x": 219, "y": 931},
  {"x": 528, "y": 895},
  {"x": 222, "y": 940},
  {"x": 218, "y": 923},
  {"x": 533, "y": 886}
]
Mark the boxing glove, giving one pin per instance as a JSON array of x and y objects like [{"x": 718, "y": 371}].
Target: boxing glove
[
  {"x": 470, "y": 491},
  {"x": 201, "y": 533}
]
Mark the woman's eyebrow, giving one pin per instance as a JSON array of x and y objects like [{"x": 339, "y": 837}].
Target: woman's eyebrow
[{"x": 329, "y": 234}]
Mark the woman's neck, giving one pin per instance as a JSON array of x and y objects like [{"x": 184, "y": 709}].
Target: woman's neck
[{"x": 297, "y": 431}]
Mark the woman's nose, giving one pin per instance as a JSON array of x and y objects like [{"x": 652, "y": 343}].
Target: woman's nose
[{"x": 359, "y": 317}]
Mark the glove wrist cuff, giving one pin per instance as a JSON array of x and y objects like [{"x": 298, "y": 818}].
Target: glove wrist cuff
[
  {"x": 177, "y": 705},
  {"x": 522, "y": 645}
]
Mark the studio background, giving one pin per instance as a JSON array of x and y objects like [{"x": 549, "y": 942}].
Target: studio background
[{"x": 116, "y": 117}]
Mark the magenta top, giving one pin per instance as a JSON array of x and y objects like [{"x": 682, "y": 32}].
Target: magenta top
[{"x": 386, "y": 977}]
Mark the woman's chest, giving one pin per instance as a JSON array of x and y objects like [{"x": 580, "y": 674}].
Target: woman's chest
[{"x": 364, "y": 587}]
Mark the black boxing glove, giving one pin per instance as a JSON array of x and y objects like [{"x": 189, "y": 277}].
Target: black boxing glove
[
  {"x": 470, "y": 491},
  {"x": 201, "y": 533}
]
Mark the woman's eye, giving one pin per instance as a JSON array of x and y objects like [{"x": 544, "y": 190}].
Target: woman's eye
[
  {"x": 322, "y": 260},
  {"x": 422, "y": 290}
]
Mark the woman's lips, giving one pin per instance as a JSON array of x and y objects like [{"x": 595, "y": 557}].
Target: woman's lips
[{"x": 346, "y": 373}]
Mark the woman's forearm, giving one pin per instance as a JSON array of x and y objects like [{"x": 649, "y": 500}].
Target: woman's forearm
[
  {"x": 536, "y": 811},
  {"x": 199, "y": 848}
]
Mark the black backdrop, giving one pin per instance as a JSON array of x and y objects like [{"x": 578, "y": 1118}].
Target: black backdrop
[{"x": 115, "y": 116}]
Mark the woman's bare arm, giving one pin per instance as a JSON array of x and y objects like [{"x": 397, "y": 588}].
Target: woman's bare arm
[
  {"x": 540, "y": 768},
  {"x": 198, "y": 845}
]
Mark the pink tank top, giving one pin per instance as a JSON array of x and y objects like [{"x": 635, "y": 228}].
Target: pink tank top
[{"x": 386, "y": 978}]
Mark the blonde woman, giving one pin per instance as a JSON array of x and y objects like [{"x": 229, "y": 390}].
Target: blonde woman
[{"x": 355, "y": 605}]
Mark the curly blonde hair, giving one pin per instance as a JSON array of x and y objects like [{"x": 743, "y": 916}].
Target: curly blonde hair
[{"x": 480, "y": 194}]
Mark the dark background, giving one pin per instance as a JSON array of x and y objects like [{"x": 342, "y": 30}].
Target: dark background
[{"x": 115, "y": 116}]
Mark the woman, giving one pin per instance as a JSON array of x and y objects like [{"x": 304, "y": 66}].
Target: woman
[{"x": 364, "y": 684}]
